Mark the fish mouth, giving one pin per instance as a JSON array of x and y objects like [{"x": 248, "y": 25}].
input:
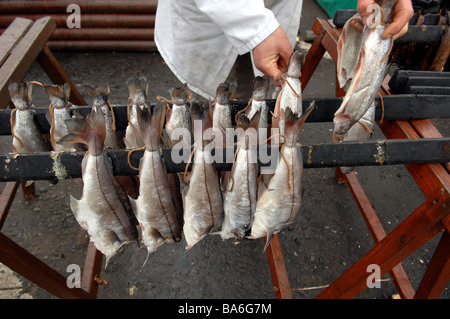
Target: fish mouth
[{"x": 342, "y": 123}]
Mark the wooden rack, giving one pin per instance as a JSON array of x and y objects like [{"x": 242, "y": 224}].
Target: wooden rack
[{"x": 413, "y": 133}]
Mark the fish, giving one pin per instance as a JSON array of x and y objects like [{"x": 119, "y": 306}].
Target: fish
[
  {"x": 99, "y": 94},
  {"x": 258, "y": 101},
  {"x": 138, "y": 90},
  {"x": 241, "y": 194},
  {"x": 27, "y": 137},
  {"x": 222, "y": 109},
  {"x": 291, "y": 90},
  {"x": 178, "y": 116},
  {"x": 154, "y": 207},
  {"x": 361, "y": 131},
  {"x": 202, "y": 199},
  {"x": 362, "y": 60},
  {"x": 279, "y": 204},
  {"x": 59, "y": 111},
  {"x": 104, "y": 209},
  {"x": 222, "y": 125}
]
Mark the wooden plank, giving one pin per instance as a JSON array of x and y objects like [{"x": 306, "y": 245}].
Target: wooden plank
[
  {"x": 41, "y": 166},
  {"x": 12, "y": 35},
  {"x": 417, "y": 229},
  {"x": 92, "y": 270},
  {"x": 25, "y": 264},
  {"x": 281, "y": 285},
  {"x": 312, "y": 59},
  {"x": 89, "y": 20},
  {"x": 6, "y": 200},
  {"x": 22, "y": 56},
  {"x": 401, "y": 280},
  {"x": 87, "y": 6},
  {"x": 438, "y": 272},
  {"x": 56, "y": 73},
  {"x": 396, "y": 107}
]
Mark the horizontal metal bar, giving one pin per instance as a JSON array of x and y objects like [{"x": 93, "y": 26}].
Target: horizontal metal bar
[
  {"x": 396, "y": 107},
  {"x": 44, "y": 166}
]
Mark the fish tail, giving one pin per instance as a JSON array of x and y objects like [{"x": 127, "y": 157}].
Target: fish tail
[
  {"x": 151, "y": 123},
  {"x": 137, "y": 84},
  {"x": 295, "y": 64},
  {"x": 294, "y": 124}
]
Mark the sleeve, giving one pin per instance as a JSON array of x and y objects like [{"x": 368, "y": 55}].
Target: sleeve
[{"x": 244, "y": 23}]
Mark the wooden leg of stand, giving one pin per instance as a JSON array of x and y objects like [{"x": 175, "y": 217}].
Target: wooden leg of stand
[
  {"x": 29, "y": 192},
  {"x": 438, "y": 272},
  {"x": 281, "y": 285},
  {"x": 417, "y": 229}
]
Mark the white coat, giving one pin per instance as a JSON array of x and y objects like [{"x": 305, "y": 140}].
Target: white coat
[{"x": 201, "y": 39}]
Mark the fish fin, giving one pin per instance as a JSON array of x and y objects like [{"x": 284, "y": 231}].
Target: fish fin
[
  {"x": 75, "y": 206},
  {"x": 48, "y": 117},
  {"x": 134, "y": 205},
  {"x": 351, "y": 37},
  {"x": 261, "y": 189},
  {"x": 66, "y": 89},
  {"x": 268, "y": 239}
]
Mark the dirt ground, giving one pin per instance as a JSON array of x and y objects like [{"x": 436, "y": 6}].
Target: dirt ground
[{"x": 328, "y": 236}]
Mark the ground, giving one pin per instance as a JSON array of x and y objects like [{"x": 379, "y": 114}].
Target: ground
[{"x": 328, "y": 236}]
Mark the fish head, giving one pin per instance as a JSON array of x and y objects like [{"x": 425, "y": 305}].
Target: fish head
[
  {"x": 59, "y": 95},
  {"x": 342, "y": 123},
  {"x": 260, "y": 88},
  {"x": 20, "y": 94},
  {"x": 293, "y": 124},
  {"x": 201, "y": 118},
  {"x": 225, "y": 91},
  {"x": 151, "y": 122},
  {"x": 296, "y": 61},
  {"x": 180, "y": 95},
  {"x": 138, "y": 89}
]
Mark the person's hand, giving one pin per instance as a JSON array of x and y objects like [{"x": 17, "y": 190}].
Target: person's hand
[
  {"x": 403, "y": 12},
  {"x": 272, "y": 55}
]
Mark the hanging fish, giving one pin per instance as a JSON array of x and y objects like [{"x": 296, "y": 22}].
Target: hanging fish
[
  {"x": 59, "y": 111},
  {"x": 202, "y": 199},
  {"x": 99, "y": 94},
  {"x": 291, "y": 90},
  {"x": 278, "y": 205},
  {"x": 154, "y": 208},
  {"x": 363, "y": 60},
  {"x": 138, "y": 90},
  {"x": 241, "y": 194},
  {"x": 178, "y": 116},
  {"x": 104, "y": 210},
  {"x": 27, "y": 138},
  {"x": 222, "y": 122},
  {"x": 258, "y": 101}
]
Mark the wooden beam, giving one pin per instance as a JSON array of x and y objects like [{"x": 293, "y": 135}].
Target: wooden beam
[
  {"x": 12, "y": 36},
  {"x": 438, "y": 272},
  {"x": 56, "y": 73},
  {"x": 23, "y": 54},
  {"x": 32, "y": 268},
  {"x": 281, "y": 285},
  {"x": 417, "y": 229}
]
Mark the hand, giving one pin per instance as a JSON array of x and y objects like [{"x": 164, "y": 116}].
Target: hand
[
  {"x": 272, "y": 55},
  {"x": 403, "y": 12}
]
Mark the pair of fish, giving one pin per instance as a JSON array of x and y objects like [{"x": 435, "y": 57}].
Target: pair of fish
[{"x": 361, "y": 67}]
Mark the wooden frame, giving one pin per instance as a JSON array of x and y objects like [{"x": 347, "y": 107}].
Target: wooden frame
[{"x": 430, "y": 219}]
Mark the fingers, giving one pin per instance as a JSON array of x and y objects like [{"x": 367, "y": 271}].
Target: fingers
[
  {"x": 403, "y": 12},
  {"x": 272, "y": 55}
]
